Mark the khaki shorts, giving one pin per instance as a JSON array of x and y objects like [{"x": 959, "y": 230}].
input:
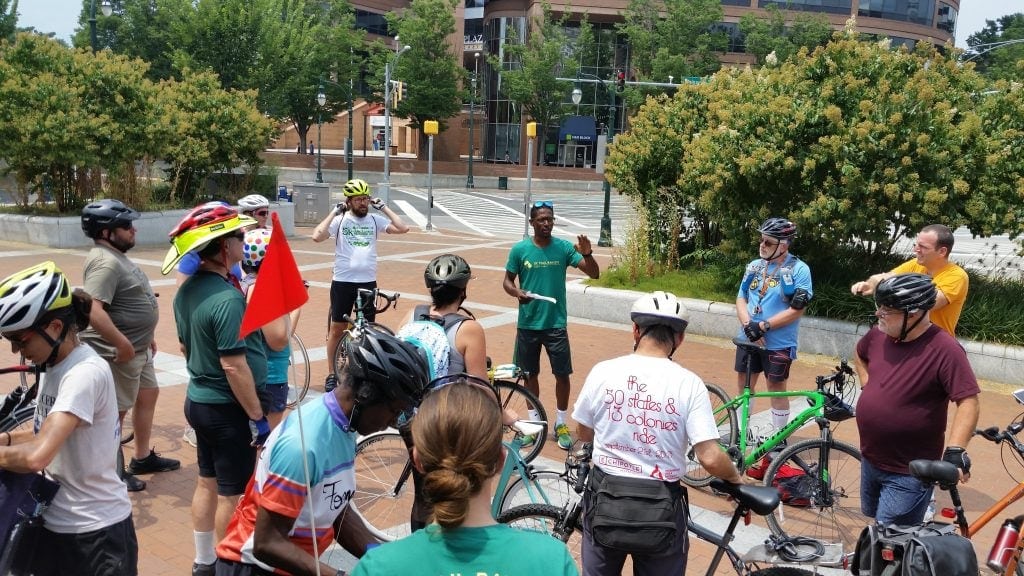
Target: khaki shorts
[{"x": 130, "y": 376}]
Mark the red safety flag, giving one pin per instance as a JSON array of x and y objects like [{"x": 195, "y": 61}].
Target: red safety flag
[{"x": 279, "y": 288}]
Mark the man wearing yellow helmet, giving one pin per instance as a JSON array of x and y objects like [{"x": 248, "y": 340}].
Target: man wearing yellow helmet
[
  {"x": 226, "y": 374},
  {"x": 355, "y": 233},
  {"x": 88, "y": 527}
]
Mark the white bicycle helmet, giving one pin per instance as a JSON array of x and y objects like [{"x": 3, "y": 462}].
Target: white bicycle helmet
[
  {"x": 660, "y": 308},
  {"x": 253, "y": 202},
  {"x": 25, "y": 296}
]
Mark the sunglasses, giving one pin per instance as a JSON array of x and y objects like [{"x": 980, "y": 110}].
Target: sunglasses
[
  {"x": 768, "y": 242},
  {"x": 261, "y": 213},
  {"x": 239, "y": 235},
  {"x": 544, "y": 204},
  {"x": 19, "y": 341},
  {"x": 463, "y": 378}
]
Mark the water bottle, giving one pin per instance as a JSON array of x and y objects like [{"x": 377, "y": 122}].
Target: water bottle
[
  {"x": 930, "y": 512},
  {"x": 1005, "y": 544}
]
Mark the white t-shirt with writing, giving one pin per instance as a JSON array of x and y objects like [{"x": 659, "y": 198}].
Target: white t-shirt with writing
[
  {"x": 644, "y": 412},
  {"x": 355, "y": 246}
]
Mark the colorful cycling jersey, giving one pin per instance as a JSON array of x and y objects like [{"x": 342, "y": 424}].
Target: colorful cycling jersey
[
  {"x": 768, "y": 288},
  {"x": 279, "y": 482}
]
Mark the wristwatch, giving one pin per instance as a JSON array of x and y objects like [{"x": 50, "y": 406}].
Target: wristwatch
[{"x": 767, "y": 325}]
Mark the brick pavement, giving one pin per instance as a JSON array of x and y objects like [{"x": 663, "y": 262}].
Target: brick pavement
[{"x": 162, "y": 513}]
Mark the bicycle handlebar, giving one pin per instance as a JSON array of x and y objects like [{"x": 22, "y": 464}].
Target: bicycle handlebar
[
  {"x": 19, "y": 368},
  {"x": 996, "y": 436}
]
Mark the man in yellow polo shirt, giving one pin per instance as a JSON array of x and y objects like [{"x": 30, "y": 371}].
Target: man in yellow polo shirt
[{"x": 931, "y": 256}]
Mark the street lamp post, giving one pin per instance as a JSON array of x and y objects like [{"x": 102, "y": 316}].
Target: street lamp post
[
  {"x": 385, "y": 186},
  {"x": 321, "y": 99},
  {"x": 348, "y": 143},
  {"x": 472, "y": 106},
  {"x": 577, "y": 95},
  {"x": 107, "y": 8}
]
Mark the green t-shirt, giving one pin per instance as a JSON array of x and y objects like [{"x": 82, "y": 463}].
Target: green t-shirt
[
  {"x": 208, "y": 312},
  {"x": 542, "y": 271},
  {"x": 489, "y": 550}
]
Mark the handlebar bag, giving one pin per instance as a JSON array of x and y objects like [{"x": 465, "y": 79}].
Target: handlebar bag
[
  {"x": 634, "y": 515},
  {"x": 23, "y": 497}
]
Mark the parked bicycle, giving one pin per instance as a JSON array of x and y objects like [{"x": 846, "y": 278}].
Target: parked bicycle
[
  {"x": 384, "y": 488},
  {"x": 510, "y": 382},
  {"x": 366, "y": 298},
  {"x": 18, "y": 408},
  {"x": 566, "y": 523},
  {"x": 819, "y": 477},
  {"x": 1005, "y": 555},
  {"x": 298, "y": 372}
]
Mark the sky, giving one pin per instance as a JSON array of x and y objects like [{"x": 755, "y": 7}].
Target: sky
[{"x": 61, "y": 16}]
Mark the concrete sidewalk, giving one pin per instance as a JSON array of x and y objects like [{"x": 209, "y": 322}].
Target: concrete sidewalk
[{"x": 162, "y": 511}]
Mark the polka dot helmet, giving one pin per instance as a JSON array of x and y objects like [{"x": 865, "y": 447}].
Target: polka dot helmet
[{"x": 255, "y": 246}]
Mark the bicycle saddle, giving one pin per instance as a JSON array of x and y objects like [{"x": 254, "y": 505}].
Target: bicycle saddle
[
  {"x": 761, "y": 500},
  {"x": 940, "y": 472},
  {"x": 750, "y": 347}
]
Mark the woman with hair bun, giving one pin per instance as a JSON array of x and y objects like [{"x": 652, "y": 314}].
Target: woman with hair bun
[{"x": 457, "y": 434}]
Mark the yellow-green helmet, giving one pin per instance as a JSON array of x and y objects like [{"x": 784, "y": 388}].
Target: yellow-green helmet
[
  {"x": 25, "y": 296},
  {"x": 356, "y": 187}
]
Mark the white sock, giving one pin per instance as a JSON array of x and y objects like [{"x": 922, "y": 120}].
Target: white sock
[
  {"x": 205, "y": 552},
  {"x": 780, "y": 418},
  {"x": 534, "y": 415},
  {"x": 559, "y": 417}
]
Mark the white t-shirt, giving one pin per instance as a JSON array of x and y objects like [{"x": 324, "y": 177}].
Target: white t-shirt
[
  {"x": 91, "y": 494},
  {"x": 355, "y": 246},
  {"x": 644, "y": 412}
]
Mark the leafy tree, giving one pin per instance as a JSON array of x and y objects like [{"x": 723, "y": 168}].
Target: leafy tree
[
  {"x": 530, "y": 69},
  {"x": 8, "y": 19},
  {"x": 430, "y": 71},
  {"x": 680, "y": 43},
  {"x": 1003, "y": 62},
  {"x": 858, "y": 143},
  {"x": 770, "y": 34}
]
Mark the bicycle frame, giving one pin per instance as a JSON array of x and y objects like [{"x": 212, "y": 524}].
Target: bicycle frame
[
  {"x": 515, "y": 464},
  {"x": 742, "y": 404}
]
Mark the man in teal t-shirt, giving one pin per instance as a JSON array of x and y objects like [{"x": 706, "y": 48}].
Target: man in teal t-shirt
[{"x": 540, "y": 263}]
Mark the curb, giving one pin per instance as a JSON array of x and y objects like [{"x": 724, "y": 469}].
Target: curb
[{"x": 817, "y": 335}]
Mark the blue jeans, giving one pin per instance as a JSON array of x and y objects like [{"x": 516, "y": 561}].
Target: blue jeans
[{"x": 892, "y": 498}]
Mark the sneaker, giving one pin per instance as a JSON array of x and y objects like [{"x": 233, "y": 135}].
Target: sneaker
[
  {"x": 204, "y": 569},
  {"x": 132, "y": 483},
  {"x": 330, "y": 383},
  {"x": 528, "y": 440},
  {"x": 564, "y": 437},
  {"x": 189, "y": 436},
  {"x": 152, "y": 463}
]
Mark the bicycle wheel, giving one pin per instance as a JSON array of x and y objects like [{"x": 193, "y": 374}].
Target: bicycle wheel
[
  {"x": 725, "y": 419},
  {"x": 833, "y": 511},
  {"x": 384, "y": 489},
  {"x": 20, "y": 419},
  {"x": 298, "y": 372},
  {"x": 518, "y": 399},
  {"x": 543, "y": 518},
  {"x": 545, "y": 487}
]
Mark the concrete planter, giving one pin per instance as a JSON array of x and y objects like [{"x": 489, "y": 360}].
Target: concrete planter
[
  {"x": 817, "y": 335},
  {"x": 66, "y": 231}
]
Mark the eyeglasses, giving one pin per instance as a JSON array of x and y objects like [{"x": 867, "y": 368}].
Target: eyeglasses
[
  {"x": 19, "y": 341},
  {"x": 768, "y": 242},
  {"x": 883, "y": 313}
]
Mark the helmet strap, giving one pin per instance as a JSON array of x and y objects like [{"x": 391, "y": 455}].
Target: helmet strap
[
  {"x": 644, "y": 332},
  {"x": 54, "y": 344},
  {"x": 904, "y": 330}
]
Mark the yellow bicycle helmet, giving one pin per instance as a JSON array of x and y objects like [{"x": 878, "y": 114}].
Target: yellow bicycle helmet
[
  {"x": 25, "y": 296},
  {"x": 199, "y": 227},
  {"x": 356, "y": 187}
]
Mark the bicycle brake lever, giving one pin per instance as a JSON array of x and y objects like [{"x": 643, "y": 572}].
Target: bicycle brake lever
[
  {"x": 992, "y": 434},
  {"x": 1015, "y": 428}
]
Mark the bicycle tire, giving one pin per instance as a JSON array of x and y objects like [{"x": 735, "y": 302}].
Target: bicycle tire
[
  {"x": 384, "y": 489},
  {"x": 298, "y": 372},
  {"x": 695, "y": 475},
  {"x": 555, "y": 486},
  {"x": 781, "y": 571},
  {"x": 839, "y": 521},
  {"x": 339, "y": 358},
  {"x": 21, "y": 419},
  {"x": 543, "y": 518},
  {"x": 519, "y": 399}
]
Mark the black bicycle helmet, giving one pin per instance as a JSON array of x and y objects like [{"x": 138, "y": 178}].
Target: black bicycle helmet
[
  {"x": 836, "y": 410},
  {"x": 447, "y": 270},
  {"x": 778, "y": 228},
  {"x": 385, "y": 367},
  {"x": 104, "y": 215},
  {"x": 906, "y": 292}
]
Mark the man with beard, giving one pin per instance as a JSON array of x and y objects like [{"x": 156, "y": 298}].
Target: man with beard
[
  {"x": 122, "y": 322},
  {"x": 355, "y": 232},
  {"x": 540, "y": 263}
]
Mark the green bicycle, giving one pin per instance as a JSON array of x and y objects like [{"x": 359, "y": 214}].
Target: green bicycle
[{"x": 818, "y": 477}]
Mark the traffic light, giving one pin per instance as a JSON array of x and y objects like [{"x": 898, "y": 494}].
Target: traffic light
[
  {"x": 620, "y": 81},
  {"x": 398, "y": 93}
]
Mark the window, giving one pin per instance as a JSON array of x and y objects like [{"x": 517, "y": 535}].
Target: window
[
  {"x": 737, "y": 41},
  {"x": 372, "y": 22},
  {"x": 916, "y": 11},
  {"x": 947, "y": 18},
  {"x": 827, "y": 6}
]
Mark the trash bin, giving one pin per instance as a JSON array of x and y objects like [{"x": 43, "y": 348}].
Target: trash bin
[
  {"x": 282, "y": 194},
  {"x": 502, "y": 182}
]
